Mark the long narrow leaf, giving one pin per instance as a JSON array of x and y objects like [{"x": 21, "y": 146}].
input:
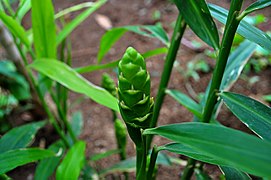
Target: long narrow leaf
[
  {"x": 44, "y": 29},
  {"x": 14, "y": 158},
  {"x": 113, "y": 35},
  {"x": 46, "y": 167},
  {"x": 78, "y": 20},
  {"x": 260, "y": 4},
  {"x": 233, "y": 174},
  {"x": 91, "y": 68},
  {"x": 255, "y": 115},
  {"x": 15, "y": 28},
  {"x": 246, "y": 30},
  {"x": 23, "y": 8},
  {"x": 236, "y": 62},
  {"x": 66, "y": 76},
  {"x": 73, "y": 162},
  {"x": 199, "y": 19},
  {"x": 19, "y": 137},
  {"x": 235, "y": 148},
  {"x": 186, "y": 101}
]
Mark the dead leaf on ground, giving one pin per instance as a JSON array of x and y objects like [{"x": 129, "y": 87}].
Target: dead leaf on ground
[{"x": 103, "y": 21}]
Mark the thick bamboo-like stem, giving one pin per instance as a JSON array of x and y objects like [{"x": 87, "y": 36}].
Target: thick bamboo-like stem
[{"x": 230, "y": 30}]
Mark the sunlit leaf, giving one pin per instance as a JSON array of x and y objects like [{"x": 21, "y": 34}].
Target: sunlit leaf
[
  {"x": 232, "y": 147},
  {"x": 66, "y": 76},
  {"x": 44, "y": 28},
  {"x": 252, "y": 113},
  {"x": 199, "y": 19},
  {"x": 260, "y": 4},
  {"x": 23, "y": 8},
  {"x": 72, "y": 163}
]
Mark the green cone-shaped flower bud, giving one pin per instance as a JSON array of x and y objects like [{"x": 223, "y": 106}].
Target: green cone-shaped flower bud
[
  {"x": 109, "y": 84},
  {"x": 135, "y": 102}
]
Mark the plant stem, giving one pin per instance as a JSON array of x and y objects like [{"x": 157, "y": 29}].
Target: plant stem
[
  {"x": 230, "y": 30},
  {"x": 170, "y": 58},
  {"x": 151, "y": 168},
  {"x": 229, "y": 33},
  {"x": 141, "y": 160}
]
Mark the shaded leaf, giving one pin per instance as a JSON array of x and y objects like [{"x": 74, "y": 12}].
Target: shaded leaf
[
  {"x": 97, "y": 157},
  {"x": 78, "y": 20},
  {"x": 47, "y": 166},
  {"x": 255, "y": 115},
  {"x": 234, "y": 148},
  {"x": 44, "y": 29},
  {"x": 14, "y": 158},
  {"x": 15, "y": 28},
  {"x": 19, "y": 137},
  {"x": 199, "y": 19},
  {"x": 236, "y": 62},
  {"x": 260, "y": 4},
  {"x": 186, "y": 101},
  {"x": 233, "y": 174},
  {"x": 72, "y": 163},
  {"x": 246, "y": 30},
  {"x": 66, "y": 76}
]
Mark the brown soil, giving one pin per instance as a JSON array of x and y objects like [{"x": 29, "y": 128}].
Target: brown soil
[{"x": 98, "y": 128}]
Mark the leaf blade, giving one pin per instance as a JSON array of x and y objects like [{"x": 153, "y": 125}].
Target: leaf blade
[
  {"x": 255, "y": 115},
  {"x": 260, "y": 4}
]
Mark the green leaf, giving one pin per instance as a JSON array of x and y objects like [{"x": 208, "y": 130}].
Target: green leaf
[
  {"x": 113, "y": 64},
  {"x": 236, "y": 62},
  {"x": 66, "y": 76},
  {"x": 245, "y": 29},
  {"x": 14, "y": 158},
  {"x": 235, "y": 148},
  {"x": 19, "y": 137},
  {"x": 46, "y": 167},
  {"x": 76, "y": 7},
  {"x": 97, "y": 157},
  {"x": 114, "y": 34},
  {"x": 199, "y": 19},
  {"x": 128, "y": 165},
  {"x": 233, "y": 174},
  {"x": 23, "y": 8},
  {"x": 73, "y": 162},
  {"x": 76, "y": 21},
  {"x": 260, "y": 4},
  {"x": 186, "y": 101},
  {"x": 186, "y": 150},
  {"x": 44, "y": 29},
  {"x": 77, "y": 122},
  {"x": 15, "y": 28},
  {"x": 255, "y": 115}
]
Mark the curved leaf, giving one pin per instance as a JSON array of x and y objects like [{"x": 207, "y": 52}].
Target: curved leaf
[
  {"x": 199, "y": 19},
  {"x": 245, "y": 29},
  {"x": 14, "y": 158},
  {"x": 255, "y": 115},
  {"x": 23, "y": 8},
  {"x": 46, "y": 167},
  {"x": 260, "y": 4},
  {"x": 44, "y": 29},
  {"x": 114, "y": 34},
  {"x": 15, "y": 28},
  {"x": 233, "y": 174},
  {"x": 76, "y": 21},
  {"x": 235, "y": 148},
  {"x": 73, "y": 162},
  {"x": 186, "y": 101},
  {"x": 19, "y": 137},
  {"x": 66, "y": 76}
]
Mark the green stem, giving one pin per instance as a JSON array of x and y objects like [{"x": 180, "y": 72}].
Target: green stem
[
  {"x": 230, "y": 30},
  {"x": 171, "y": 56},
  {"x": 229, "y": 33},
  {"x": 141, "y": 160},
  {"x": 151, "y": 168}
]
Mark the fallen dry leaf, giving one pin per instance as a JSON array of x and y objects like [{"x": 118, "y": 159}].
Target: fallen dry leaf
[{"x": 103, "y": 21}]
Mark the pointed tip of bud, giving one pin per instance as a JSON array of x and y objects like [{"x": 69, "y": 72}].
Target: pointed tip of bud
[{"x": 131, "y": 52}]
